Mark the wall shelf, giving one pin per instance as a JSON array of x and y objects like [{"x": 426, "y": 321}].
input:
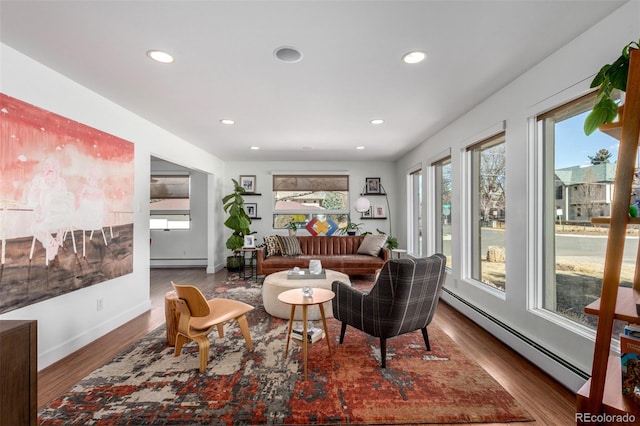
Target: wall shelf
[{"x": 603, "y": 392}]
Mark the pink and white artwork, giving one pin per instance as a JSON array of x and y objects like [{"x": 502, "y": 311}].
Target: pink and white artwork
[{"x": 66, "y": 203}]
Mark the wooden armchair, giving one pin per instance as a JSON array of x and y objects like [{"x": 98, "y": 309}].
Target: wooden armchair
[
  {"x": 403, "y": 299},
  {"x": 198, "y": 316}
]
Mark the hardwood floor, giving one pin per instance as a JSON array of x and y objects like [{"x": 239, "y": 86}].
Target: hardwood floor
[{"x": 549, "y": 402}]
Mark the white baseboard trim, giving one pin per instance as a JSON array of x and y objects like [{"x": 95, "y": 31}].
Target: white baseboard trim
[
  {"x": 67, "y": 347},
  {"x": 561, "y": 370},
  {"x": 178, "y": 263}
]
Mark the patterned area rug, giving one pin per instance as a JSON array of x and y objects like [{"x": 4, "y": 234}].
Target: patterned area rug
[{"x": 146, "y": 384}]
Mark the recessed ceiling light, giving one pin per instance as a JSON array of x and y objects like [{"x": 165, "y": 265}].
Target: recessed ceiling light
[
  {"x": 414, "y": 57},
  {"x": 360, "y": 147},
  {"x": 160, "y": 56},
  {"x": 255, "y": 148},
  {"x": 288, "y": 54},
  {"x": 227, "y": 121},
  {"x": 377, "y": 121}
]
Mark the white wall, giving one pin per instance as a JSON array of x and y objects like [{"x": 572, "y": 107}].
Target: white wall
[
  {"x": 68, "y": 322},
  {"x": 357, "y": 171},
  {"x": 563, "y": 76}
]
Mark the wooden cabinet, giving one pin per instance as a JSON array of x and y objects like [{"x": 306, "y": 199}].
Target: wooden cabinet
[
  {"x": 603, "y": 392},
  {"x": 18, "y": 372}
]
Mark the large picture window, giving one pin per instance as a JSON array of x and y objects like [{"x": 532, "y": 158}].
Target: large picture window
[
  {"x": 579, "y": 172},
  {"x": 302, "y": 199},
  {"x": 443, "y": 207},
  {"x": 488, "y": 211},
  {"x": 170, "y": 206}
]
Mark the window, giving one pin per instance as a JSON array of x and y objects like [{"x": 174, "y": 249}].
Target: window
[
  {"x": 415, "y": 213},
  {"x": 305, "y": 199},
  {"x": 170, "y": 203},
  {"x": 488, "y": 211},
  {"x": 578, "y": 180},
  {"x": 442, "y": 204}
]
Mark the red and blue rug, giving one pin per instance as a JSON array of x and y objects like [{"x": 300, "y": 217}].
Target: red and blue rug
[{"x": 147, "y": 385}]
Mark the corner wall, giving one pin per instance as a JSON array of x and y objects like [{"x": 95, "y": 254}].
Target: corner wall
[{"x": 68, "y": 322}]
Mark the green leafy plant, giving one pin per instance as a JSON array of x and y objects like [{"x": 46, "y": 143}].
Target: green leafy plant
[
  {"x": 610, "y": 77},
  {"x": 351, "y": 228},
  {"x": 292, "y": 226},
  {"x": 392, "y": 242},
  {"x": 238, "y": 221}
]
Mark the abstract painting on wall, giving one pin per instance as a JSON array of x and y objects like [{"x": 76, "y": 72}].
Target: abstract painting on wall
[{"x": 66, "y": 205}]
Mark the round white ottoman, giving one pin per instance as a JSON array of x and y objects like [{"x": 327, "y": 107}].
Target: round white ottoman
[{"x": 278, "y": 282}]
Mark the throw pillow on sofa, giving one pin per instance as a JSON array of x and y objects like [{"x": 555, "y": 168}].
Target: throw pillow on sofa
[
  {"x": 289, "y": 245},
  {"x": 371, "y": 244},
  {"x": 272, "y": 245}
]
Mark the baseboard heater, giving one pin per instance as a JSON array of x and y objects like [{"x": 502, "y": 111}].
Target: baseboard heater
[{"x": 579, "y": 372}]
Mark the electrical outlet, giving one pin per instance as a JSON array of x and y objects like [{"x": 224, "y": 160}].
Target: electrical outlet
[{"x": 99, "y": 304}]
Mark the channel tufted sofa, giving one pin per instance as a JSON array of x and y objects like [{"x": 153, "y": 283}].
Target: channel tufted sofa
[{"x": 336, "y": 253}]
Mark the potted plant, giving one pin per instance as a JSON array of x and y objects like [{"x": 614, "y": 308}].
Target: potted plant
[
  {"x": 351, "y": 229},
  {"x": 392, "y": 242},
  {"x": 610, "y": 77},
  {"x": 239, "y": 222},
  {"x": 293, "y": 228}
]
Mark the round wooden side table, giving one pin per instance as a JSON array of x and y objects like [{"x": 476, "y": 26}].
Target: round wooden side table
[{"x": 295, "y": 298}]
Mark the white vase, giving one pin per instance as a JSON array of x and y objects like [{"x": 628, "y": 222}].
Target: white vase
[{"x": 315, "y": 267}]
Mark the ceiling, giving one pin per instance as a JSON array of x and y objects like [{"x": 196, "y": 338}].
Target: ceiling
[{"x": 318, "y": 108}]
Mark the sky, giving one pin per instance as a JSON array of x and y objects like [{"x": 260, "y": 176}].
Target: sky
[{"x": 573, "y": 147}]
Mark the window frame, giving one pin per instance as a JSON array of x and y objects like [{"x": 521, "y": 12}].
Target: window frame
[
  {"x": 466, "y": 237},
  {"x": 415, "y": 209},
  {"x": 302, "y": 217},
  {"x": 171, "y": 216},
  {"x": 542, "y": 164},
  {"x": 438, "y": 207}
]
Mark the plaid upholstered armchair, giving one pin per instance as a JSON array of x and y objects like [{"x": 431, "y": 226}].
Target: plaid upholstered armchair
[{"x": 403, "y": 299}]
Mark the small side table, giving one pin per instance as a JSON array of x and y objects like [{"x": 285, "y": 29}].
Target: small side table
[
  {"x": 172, "y": 316},
  {"x": 295, "y": 298},
  {"x": 398, "y": 252},
  {"x": 253, "y": 263}
]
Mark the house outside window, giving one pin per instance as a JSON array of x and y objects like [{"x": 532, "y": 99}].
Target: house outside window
[
  {"x": 443, "y": 208},
  {"x": 488, "y": 211},
  {"x": 170, "y": 206},
  {"x": 319, "y": 203},
  {"x": 579, "y": 172}
]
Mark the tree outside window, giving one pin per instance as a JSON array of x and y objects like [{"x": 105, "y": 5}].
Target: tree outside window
[{"x": 488, "y": 214}]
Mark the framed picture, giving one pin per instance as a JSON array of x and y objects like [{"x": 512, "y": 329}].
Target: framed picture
[
  {"x": 248, "y": 182},
  {"x": 372, "y": 185},
  {"x": 249, "y": 241},
  {"x": 368, "y": 213},
  {"x": 379, "y": 211},
  {"x": 252, "y": 210}
]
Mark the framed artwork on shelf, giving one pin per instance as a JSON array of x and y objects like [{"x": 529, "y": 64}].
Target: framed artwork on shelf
[
  {"x": 368, "y": 213},
  {"x": 248, "y": 182},
  {"x": 249, "y": 241},
  {"x": 252, "y": 210},
  {"x": 372, "y": 185},
  {"x": 379, "y": 211}
]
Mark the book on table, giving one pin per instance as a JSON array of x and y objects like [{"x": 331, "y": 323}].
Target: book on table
[
  {"x": 313, "y": 334},
  {"x": 630, "y": 362}
]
